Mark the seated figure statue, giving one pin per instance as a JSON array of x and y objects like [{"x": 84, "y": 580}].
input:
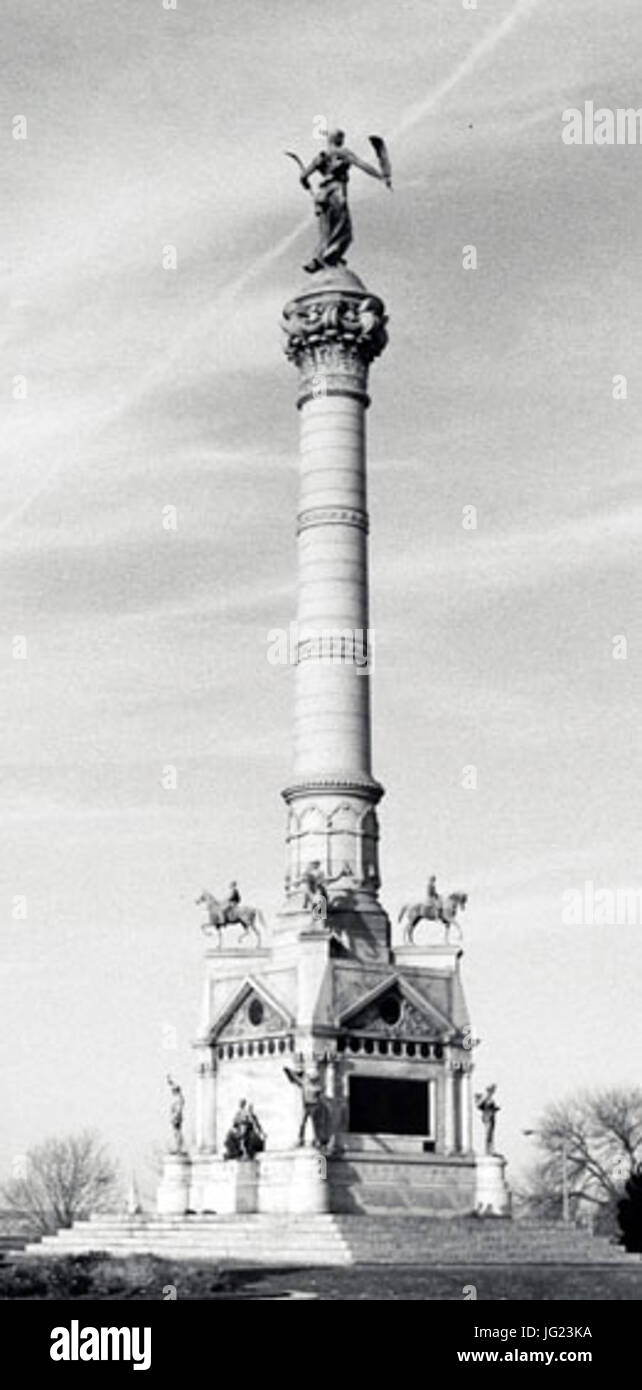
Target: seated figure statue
[{"x": 246, "y": 1136}]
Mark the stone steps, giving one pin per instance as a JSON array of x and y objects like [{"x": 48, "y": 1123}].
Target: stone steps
[
  {"x": 10, "y": 1243},
  {"x": 336, "y": 1240}
]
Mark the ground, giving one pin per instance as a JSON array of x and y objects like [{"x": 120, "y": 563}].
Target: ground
[{"x": 146, "y": 1277}]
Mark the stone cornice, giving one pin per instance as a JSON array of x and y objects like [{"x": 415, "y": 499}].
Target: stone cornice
[{"x": 365, "y": 786}]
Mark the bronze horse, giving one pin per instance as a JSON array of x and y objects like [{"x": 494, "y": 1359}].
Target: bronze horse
[
  {"x": 219, "y": 916},
  {"x": 437, "y": 909}
]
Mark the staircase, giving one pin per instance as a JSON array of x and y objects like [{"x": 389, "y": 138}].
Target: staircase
[
  {"x": 10, "y": 1243},
  {"x": 337, "y": 1240},
  {"x": 252, "y": 1240}
]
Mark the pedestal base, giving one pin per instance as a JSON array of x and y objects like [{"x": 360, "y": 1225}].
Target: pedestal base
[
  {"x": 359, "y": 1180},
  {"x": 492, "y": 1196},
  {"x": 173, "y": 1191},
  {"x": 293, "y": 1182},
  {"x": 230, "y": 1186},
  {"x": 309, "y": 1190}
]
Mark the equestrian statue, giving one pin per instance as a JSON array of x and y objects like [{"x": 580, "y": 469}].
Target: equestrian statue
[
  {"x": 433, "y": 909},
  {"x": 230, "y": 910}
]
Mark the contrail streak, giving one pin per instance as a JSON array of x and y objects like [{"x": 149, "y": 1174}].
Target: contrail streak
[
  {"x": 411, "y": 117},
  {"x": 414, "y": 114},
  {"x": 158, "y": 369}
]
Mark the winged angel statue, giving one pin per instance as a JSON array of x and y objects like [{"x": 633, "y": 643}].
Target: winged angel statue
[{"x": 333, "y": 165}]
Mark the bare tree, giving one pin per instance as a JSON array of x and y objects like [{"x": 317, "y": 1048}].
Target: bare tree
[
  {"x": 61, "y": 1181},
  {"x": 597, "y": 1137}
]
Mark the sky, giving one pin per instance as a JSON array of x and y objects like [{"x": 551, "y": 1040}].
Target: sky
[{"x": 129, "y": 388}]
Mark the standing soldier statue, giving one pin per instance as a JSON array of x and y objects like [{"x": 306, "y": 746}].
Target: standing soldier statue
[
  {"x": 488, "y": 1109},
  {"x": 176, "y": 1112},
  {"x": 308, "y": 1079}
]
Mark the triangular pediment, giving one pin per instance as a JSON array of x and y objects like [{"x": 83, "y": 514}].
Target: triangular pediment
[
  {"x": 394, "y": 1009},
  {"x": 251, "y": 1012}
]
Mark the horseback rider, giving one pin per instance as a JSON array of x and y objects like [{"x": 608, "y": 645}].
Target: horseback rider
[
  {"x": 433, "y": 899},
  {"x": 231, "y": 902},
  {"x": 315, "y": 882},
  {"x": 434, "y": 908}
]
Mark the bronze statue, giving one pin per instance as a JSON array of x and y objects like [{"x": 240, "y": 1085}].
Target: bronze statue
[
  {"x": 316, "y": 882},
  {"x": 488, "y": 1109},
  {"x": 308, "y": 1079},
  {"x": 333, "y": 166},
  {"x": 232, "y": 901},
  {"x": 434, "y": 909},
  {"x": 246, "y": 1136},
  {"x": 177, "y": 1109},
  {"x": 230, "y": 911}
]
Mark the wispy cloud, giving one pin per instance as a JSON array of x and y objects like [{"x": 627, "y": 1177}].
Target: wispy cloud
[{"x": 528, "y": 555}]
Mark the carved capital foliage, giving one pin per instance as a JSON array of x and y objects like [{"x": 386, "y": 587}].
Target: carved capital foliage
[{"x": 335, "y": 331}]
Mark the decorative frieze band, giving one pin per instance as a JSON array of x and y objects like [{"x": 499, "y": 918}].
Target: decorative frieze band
[{"x": 324, "y": 516}]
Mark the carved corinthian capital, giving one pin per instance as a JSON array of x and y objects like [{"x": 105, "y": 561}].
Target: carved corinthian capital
[{"x": 332, "y": 336}]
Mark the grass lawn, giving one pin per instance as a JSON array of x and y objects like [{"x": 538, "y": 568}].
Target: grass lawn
[{"x": 148, "y": 1277}]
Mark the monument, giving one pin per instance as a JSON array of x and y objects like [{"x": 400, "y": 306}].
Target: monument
[
  {"x": 352, "y": 1044},
  {"x": 493, "y": 1197}
]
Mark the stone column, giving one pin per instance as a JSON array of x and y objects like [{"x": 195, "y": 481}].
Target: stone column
[
  {"x": 466, "y": 1110},
  {"x": 449, "y": 1108},
  {"x": 205, "y": 1108},
  {"x": 334, "y": 329},
  {"x": 433, "y": 1110}
]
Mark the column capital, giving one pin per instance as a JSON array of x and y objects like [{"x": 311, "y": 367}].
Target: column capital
[{"x": 333, "y": 331}]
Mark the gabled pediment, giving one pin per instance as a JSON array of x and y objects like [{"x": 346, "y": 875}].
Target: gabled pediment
[
  {"x": 395, "y": 1009},
  {"x": 251, "y": 1012}
]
